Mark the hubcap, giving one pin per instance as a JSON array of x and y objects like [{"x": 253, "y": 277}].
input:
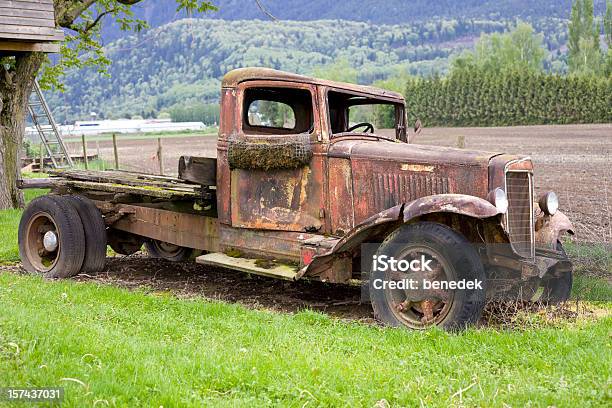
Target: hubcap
[{"x": 50, "y": 241}]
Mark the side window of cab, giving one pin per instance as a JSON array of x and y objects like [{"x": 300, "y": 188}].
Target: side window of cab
[{"x": 277, "y": 111}]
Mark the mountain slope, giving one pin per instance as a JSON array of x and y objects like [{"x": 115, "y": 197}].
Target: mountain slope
[
  {"x": 160, "y": 12},
  {"x": 181, "y": 63}
]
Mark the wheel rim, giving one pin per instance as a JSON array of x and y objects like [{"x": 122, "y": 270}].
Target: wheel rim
[
  {"x": 431, "y": 309},
  {"x": 42, "y": 244}
]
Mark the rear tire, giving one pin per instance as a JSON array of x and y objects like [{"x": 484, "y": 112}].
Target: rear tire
[
  {"x": 95, "y": 233},
  {"x": 124, "y": 243},
  {"x": 51, "y": 238},
  {"x": 454, "y": 256},
  {"x": 169, "y": 252}
]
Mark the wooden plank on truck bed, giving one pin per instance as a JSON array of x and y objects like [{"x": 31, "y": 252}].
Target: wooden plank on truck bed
[
  {"x": 124, "y": 177},
  {"x": 150, "y": 191}
]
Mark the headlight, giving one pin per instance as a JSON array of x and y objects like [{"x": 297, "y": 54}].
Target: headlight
[
  {"x": 549, "y": 203},
  {"x": 499, "y": 199}
]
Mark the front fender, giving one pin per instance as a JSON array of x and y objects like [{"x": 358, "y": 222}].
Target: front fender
[
  {"x": 463, "y": 204},
  {"x": 391, "y": 218},
  {"x": 548, "y": 229}
]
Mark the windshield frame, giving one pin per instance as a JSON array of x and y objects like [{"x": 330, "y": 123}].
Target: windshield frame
[{"x": 368, "y": 99}]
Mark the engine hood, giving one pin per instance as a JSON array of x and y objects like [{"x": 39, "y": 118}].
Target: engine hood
[
  {"x": 385, "y": 173},
  {"x": 411, "y": 153}
]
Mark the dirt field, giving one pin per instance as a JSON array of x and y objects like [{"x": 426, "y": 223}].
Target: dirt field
[
  {"x": 575, "y": 161},
  {"x": 190, "y": 280}
]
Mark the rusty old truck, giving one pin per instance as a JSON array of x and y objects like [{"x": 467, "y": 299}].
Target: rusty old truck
[{"x": 302, "y": 186}]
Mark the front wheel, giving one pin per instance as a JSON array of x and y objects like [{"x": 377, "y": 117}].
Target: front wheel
[
  {"x": 556, "y": 285},
  {"x": 450, "y": 261}
]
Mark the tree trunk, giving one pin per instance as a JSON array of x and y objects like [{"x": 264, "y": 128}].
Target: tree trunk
[{"x": 16, "y": 80}]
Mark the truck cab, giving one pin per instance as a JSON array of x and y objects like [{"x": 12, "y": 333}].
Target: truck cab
[{"x": 321, "y": 180}]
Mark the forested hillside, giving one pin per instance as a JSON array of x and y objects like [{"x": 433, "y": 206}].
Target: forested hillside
[
  {"x": 180, "y": 64},
  {"x": 375, "y": 11}
]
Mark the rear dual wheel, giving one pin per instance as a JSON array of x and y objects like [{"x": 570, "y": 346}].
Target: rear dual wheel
[{"x": 61, "y": 236}]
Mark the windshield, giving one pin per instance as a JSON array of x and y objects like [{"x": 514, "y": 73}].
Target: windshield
[{"x": 350, "y": 113}]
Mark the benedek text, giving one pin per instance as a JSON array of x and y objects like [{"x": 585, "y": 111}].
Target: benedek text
[{"x": 407, "y": 284}]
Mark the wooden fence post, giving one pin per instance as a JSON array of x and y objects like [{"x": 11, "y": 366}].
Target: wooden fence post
[
  {"x": 115, "y": 151},
  {"x": 84, "y": 151},
  {"x": 160, "y": 156},
  {"x": 461, "y": 142},
  {"x": 41, "y": 162}
]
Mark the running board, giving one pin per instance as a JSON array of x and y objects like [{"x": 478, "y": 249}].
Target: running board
[{"x": 276, "y": 270}]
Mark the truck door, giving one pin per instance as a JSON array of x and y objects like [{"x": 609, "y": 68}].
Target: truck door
[{"x": 276, "y": 158}]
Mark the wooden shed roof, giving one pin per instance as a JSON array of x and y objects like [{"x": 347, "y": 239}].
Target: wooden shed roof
[{"x": 28, "y": 25}]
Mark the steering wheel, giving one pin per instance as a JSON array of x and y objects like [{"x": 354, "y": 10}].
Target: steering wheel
[{"x": 368, "y": 127}]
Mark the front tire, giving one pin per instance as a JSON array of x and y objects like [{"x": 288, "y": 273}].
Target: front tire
[
  {"x": 453, "y": 259},
  {"x": 51, "y": 238},
  {"x": 557, "y": 283}
]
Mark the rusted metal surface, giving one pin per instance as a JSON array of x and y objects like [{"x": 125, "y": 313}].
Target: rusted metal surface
[
  {"x": 228, "y": 117},
  {"x": 280, "y": 199},
  {"x": 186, "y": 230},
  {"x": 463, "y": 204},
  {"x": 284, "y": 245},
  {"x": 199, "y": 170},
  {"x": 372, "y": 227},
  {"x": 385, "y": 174},
  {"x": 549, "y": 229},
  {"x": 386, "y": 221},
  {"x": 340, "y": 207},
  {"x": 497, "y": 167},
  {"x": 408, "y": 153}
]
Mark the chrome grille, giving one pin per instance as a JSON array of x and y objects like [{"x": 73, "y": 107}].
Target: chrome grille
[{"x": 519, "y": 189}]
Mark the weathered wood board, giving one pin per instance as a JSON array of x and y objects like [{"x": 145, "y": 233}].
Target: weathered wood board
[
  {"x": 116, "y": 181},
  {"x": 28, "y": 25}
]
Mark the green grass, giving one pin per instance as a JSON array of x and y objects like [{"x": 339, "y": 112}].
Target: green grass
[
  {"x": 123, "y": 348},
  {"x": 126, "y": 348},
  {"x": 97, "y": 164},
  {"x": 9, "y": 223}
]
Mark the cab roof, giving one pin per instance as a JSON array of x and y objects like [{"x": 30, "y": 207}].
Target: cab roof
[{"x": 237, "y": 76}]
